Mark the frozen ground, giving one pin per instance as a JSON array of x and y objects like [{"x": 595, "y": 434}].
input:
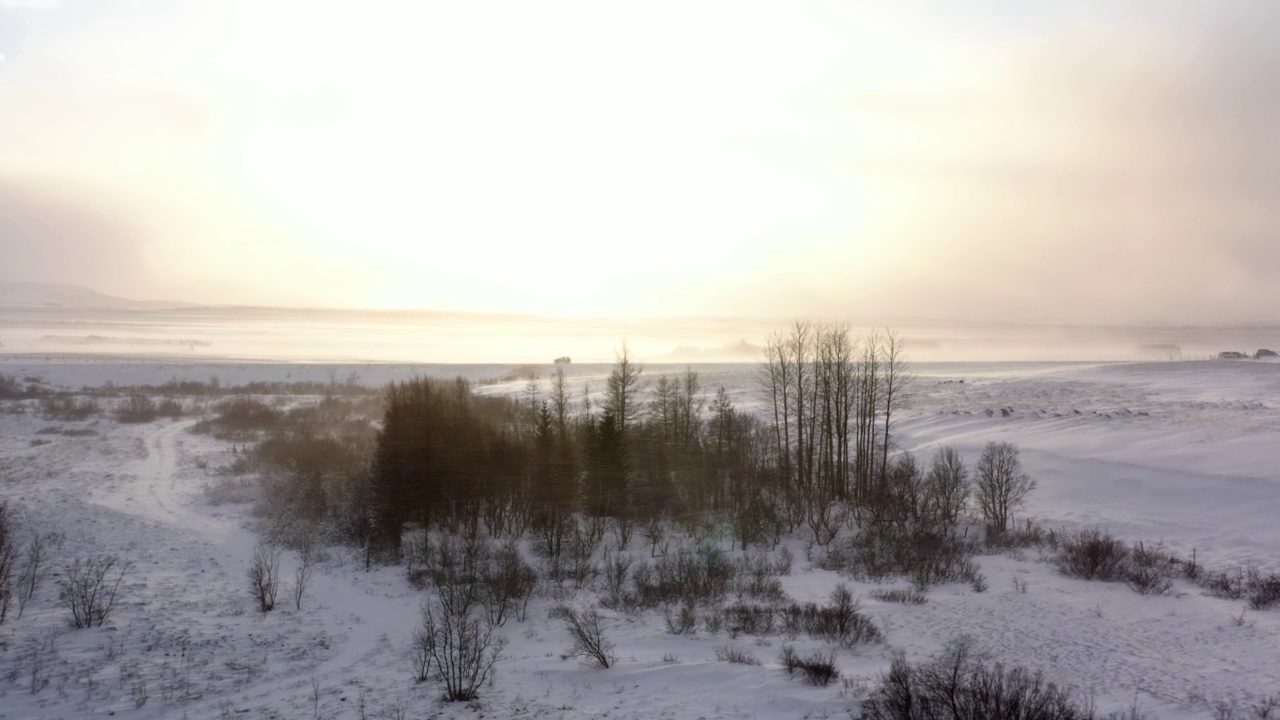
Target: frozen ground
[{"x": 1179, "y": 452}]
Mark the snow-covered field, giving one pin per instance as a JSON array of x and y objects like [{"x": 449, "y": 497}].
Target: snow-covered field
[{"x": 1183, "y": 453}]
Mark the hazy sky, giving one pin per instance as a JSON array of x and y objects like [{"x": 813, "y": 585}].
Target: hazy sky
[{"x": 1078, "y": 160}]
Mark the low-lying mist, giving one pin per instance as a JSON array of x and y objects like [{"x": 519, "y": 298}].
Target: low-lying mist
[{"x": 264, "y": 334}]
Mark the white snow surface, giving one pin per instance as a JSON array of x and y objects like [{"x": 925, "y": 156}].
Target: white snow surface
[{"x": 1183, "y": 453}]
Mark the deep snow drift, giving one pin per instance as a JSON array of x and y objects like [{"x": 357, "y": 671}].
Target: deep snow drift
[{"x": 1183, "y": 453}]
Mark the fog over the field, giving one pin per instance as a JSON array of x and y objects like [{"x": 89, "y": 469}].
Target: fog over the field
[{"x": 948, "y": 159}]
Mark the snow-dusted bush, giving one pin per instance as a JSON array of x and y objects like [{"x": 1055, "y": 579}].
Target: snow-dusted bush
[
  {"x": 585, "y": 537},
  {"x": 453, "y": 566},
  {"x": 458, "y": 649},
  {"x": 466, "y": 571},
  {"x": 1027, "y": 535},
  {"x": 757, "y": 578},
  {"x": 1264, "y": 590},
  {"x": 551, "y": 531},
  {"x": 11, "y": 389},
  {"x": 137, "y": 408},
  {"x": 1150, "y": 570},
  {"x": 926, "y": 558},
  {"x": 957, "y": 686},
  {"x": 509, "y": 582},
  {"x": 617, "y": 572},
  {"x": 735, "y": 655},
  {"x": 1227, "y": 584},
  {"x": 89, "y": 589},
  {"x": 68, "y": 408},
  {"x": 1093, "y": 554},
  {"x": 1261, "y": 590},
  {"x": 749, "y": 619},
  {"x": 906, "y": 596},
  {"x": 240, "y": 418},
  {"x": 700, "y": 576},
  {"x": 817, "y": 668},
  {"x": 682, "y": 621},
  {"x": 587, "y": 635},
  {"x": 841, "y": 622},
  {"x": 264, "y": 576}
]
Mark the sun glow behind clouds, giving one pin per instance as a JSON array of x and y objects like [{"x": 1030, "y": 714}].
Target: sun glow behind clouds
[
  {"x": 549, "y": 150},
  {"x": 1057, "y": 160}
]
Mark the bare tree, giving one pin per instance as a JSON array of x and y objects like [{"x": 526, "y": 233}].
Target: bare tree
[
  {"x": 34, "y": 567},
  {"x": 689, "y": 405},
  {"x": 302, "y": 575},
  {"x": 560, "y": 407},
  {"x": 834, "y": 380},
  {"x": 662, "y": 408},
  {"x": 264, "y": 576},
  {"x": 894, "y": 380},
  {"x": 532, "y": 387},
  {"x": 776, "y": 380},
  {"x": 815, "y": 390},
  {"x": 866, "y": 407},
  {"x": 622, "y": 391},
  {"x": 946, "y": 487},
  {"x": 799, "y": 346},
  {"x": 1002, "y": 485}
]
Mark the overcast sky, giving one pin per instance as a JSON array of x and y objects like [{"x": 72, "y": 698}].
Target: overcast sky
[{"x": 1075, "y": 160}]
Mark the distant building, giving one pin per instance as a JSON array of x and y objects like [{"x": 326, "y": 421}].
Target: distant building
[
  {"x": 1265, "y": 353},
  {"x": 563, "y": 360},
  {"x": 1232, "y": 355}
]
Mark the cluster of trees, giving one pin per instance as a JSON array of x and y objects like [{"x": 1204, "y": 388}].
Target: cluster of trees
[
  {"x": 448, "y": 455},
  {"x": 822, "y": 455}
]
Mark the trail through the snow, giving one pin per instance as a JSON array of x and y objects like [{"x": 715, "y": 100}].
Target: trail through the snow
[{"x": 153, "y": 488}]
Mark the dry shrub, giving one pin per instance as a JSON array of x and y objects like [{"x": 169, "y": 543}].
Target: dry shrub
[
  {"x": 90, "y": 587},
  {"x": 1093, "y": 554},
  {"x": 906, "y": 596},
  {"x": 459, "y": 649},
  {"x": 841, "y": 622},
  {"x": 587, "y": 634},
  {"x": 817, "y": 668},
  {"x": 925, "y": 558},
  {"x": 735, "y": 655},
  {"x": 957, "y": 685}
]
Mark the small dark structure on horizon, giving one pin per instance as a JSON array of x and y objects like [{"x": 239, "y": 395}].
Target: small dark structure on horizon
[
  {"x": 1232, "y": 355},
  {"x": 563, "y": 360},
  {"x": 1265, "y": 353}
]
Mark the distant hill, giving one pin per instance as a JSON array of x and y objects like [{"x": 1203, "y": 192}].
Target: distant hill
[{"x": 37, "y": 294}]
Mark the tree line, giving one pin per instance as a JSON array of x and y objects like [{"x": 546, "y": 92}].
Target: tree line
[{"x": 823, "y": 454}]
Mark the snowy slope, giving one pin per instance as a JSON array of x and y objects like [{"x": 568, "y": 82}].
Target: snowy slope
[{"x": 1179, "y": 452}]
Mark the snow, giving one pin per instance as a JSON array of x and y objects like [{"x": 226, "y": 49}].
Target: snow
[{"x": 1178, "y": 452}]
